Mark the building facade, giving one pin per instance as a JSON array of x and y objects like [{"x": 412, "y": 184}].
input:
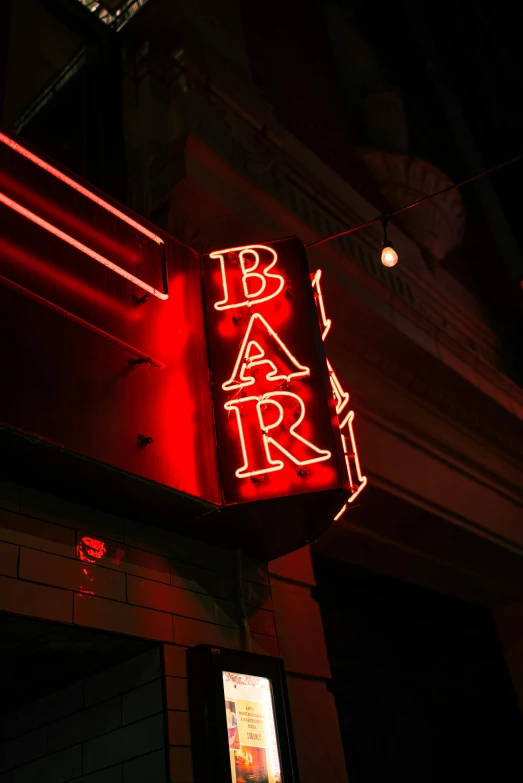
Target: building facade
[{"x": 401, "y": 627}]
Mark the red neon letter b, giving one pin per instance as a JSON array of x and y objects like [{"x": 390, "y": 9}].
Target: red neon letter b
[{"x": 246, "y": 276}]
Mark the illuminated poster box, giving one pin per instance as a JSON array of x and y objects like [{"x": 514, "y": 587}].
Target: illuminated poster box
[
  {"x": 251, "y": 728},
  {"x": 240, "y": 720}
]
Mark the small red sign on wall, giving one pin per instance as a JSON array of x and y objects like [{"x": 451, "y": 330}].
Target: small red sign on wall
[{"x": 275, "y": 415}]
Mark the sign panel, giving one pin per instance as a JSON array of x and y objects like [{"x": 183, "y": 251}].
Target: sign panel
[
  {"x": 251, "y": 728},
  {"x": 275, "y": 415},
  {"x": 103, "y": 330},
  {"x": 115, "y": 363}
]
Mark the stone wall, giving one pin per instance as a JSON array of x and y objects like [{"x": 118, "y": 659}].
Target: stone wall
[
  {"x": 106, "y": 728},
  {"x": 146, "y": 583}
]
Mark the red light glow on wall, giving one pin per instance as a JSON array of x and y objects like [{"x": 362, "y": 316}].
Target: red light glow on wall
[
  {"x": 85, "y": 337},
  {"x": 52, "y": 228},
  {"x": 89, "y": 550},
  {"x": 78, "y": 187},
  {"x": 341, "y": 397},
  {"x": 8, "y": 202},
  {"x": 275, "y": 418}
]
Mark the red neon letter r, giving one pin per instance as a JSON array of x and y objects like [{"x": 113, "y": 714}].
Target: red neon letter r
[{"x": 280, "y": 414}]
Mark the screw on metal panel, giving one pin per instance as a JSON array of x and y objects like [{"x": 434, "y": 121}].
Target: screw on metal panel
[
  {"x": 140, "y": 360},
  {"x": 143, "y": 440}
]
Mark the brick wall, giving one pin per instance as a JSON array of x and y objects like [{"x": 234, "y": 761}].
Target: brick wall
[
  {"x": 107, "y": 728},
  {"x": 149, "y": 583}
]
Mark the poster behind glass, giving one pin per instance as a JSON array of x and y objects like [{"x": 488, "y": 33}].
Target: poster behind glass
[{"x": 253, "y": 745}]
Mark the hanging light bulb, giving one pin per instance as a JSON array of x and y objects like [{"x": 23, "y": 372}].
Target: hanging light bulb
[{"x": 389, "y": 257}]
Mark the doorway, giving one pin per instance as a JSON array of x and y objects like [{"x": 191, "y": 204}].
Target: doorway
[
  {"x": 77, "y": 703},
  {"x": 420, "y": 682}
]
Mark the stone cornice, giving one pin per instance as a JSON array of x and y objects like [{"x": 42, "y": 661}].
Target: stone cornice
[
  {"x": 436, "y": 386},
  {"x": 471, "y": 462}
]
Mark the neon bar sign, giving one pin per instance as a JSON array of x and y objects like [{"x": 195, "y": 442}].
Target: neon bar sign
[
  {"x": 345, "y": 416},
  {"x": 275, "y": 418},
  {"x": 283, "y": 422}
]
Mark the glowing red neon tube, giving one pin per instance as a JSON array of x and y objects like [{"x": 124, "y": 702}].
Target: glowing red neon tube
[
  {"x": 14, "y": 205},
  {"x": 80, "y": 321},
  {"x": 246, "y": 361},
  {"x": 248, "y": 273},
  {"x": 274, "y": 464},
  {"x": 79, "y": 188},
  {"x": 357, "y": 481},
  {"x": 326, "y": 323}
]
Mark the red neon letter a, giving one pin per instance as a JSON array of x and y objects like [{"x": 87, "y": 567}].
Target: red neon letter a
[
  {"x": 262, "y": 346},
  {"x": 246, "y": 276}
]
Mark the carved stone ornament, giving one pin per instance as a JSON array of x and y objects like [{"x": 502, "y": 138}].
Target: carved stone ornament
[{"x": 438, "y": 225}]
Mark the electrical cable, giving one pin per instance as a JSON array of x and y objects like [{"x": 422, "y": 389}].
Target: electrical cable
[{"x": 387, "y": 215}]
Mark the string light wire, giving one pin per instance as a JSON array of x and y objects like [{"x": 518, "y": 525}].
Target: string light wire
[{"x": 387, "y": 215}]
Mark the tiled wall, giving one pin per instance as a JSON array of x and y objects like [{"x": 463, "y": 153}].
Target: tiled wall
[
  {"x": 107, "y": 728},
  {"x": 150, "y": 583}
]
